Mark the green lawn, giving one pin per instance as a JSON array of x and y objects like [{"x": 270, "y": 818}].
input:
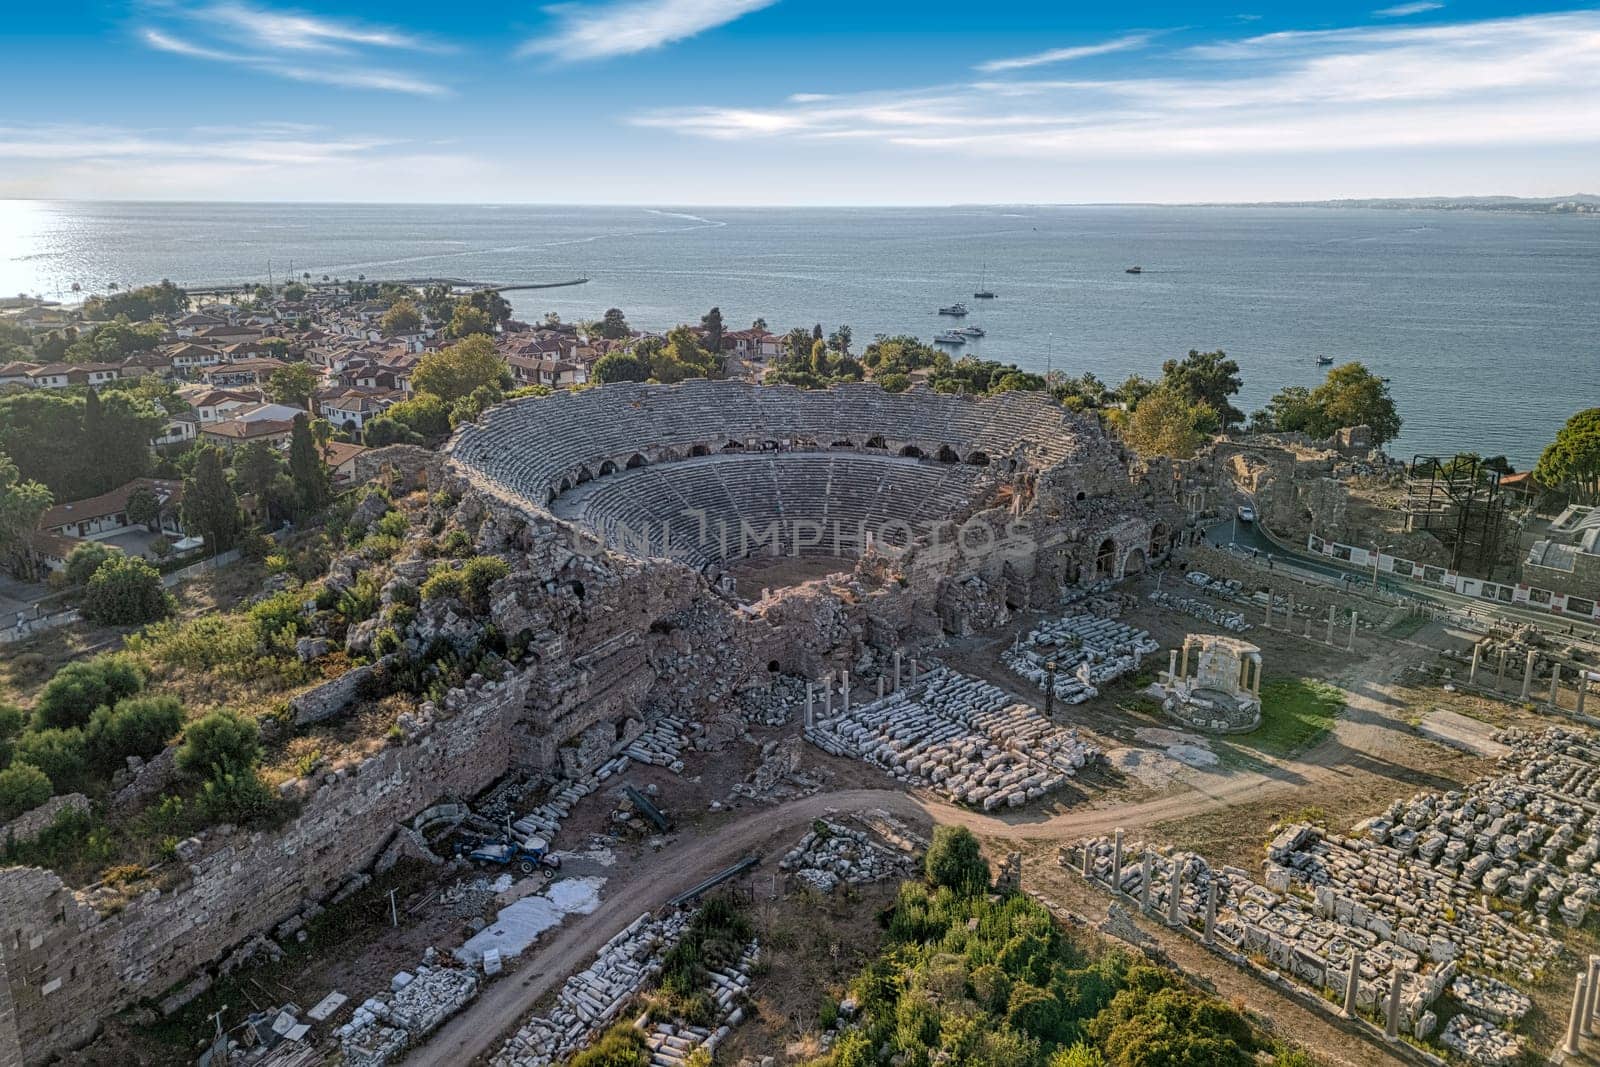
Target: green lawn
[{"x": 1295, "y": 714}]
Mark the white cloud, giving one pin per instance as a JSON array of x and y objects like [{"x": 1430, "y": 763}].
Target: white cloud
[
  {"x": 1063, "y": 55},
  {"x": 1400, "y": 11},
  {"x": 289, "y": 45},
  {"x": 628, "y": 26},
  {"x": 1522, "y": 80}
]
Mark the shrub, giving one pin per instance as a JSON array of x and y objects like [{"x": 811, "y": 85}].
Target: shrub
[
  {"x": 361, "y": 600},
  {"x": 223, "y": 739},
  {"x": 23, "y": 787},
  {"x": 444, "y": 584},
  {"x": 85, "y": 559},
  {"x": 77, "y": 689},
  {"x": 277, "y": 614},
  {"x": 620, "y": 1046},
  {"x": 13, "y": 720},
  {"x": 126, "y": 592},
  {"x": 456, "y": 543},
  {"x": 393, "y": 524},
  {"x": 954, "y": 861},
  {"x": 236, "y": 795},
  {"x": 138, "y": 726},
  {"x": 60, "y": 754},
  {"x": 479, "y": 574}
]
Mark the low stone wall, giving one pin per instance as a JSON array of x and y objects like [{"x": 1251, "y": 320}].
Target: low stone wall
[
  {"x": 30, "y": 824},
  {"x": 64, "y": 966}
]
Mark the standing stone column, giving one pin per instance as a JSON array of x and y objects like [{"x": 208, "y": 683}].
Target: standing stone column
[
  {"x": 897, "y": 668},
  {"x": 1088, "y": 862},
  {"x": 1580, "y": 993},
  {"x": 1352, "y": 643},
  {"x": 845, "y": 706},
  {"x": 1591, "y": 983},
  {"x": 1116, "y": 863},
  {"x": 1331, "y": 610},
  {"x": 913, "y": 672},
  {"x": 1269, "y": 608},
  {"x": 1172, "y": 666},
  {"x": 1472, "y": 672},
  {"x": 1175, "y": 892},
  {"x": 1527, "y": 674},
  {"x": 1391, "y": 1023},
  {"x": 1583, "y": 688},
  {"x": 880, "y": 687},
  {"x": 1144, "y": 883},
  {"x": 1352, "y": 986},
  {"x": 827, "y": 694},
  {"x": 810, "y": 702},
  {"x": 1500, "y": 681},
  {"x": 1211, "y": 911},
  {"x": 1555, "y": 687}
]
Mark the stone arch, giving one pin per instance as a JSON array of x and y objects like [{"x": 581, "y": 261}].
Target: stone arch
[
  {"x": 1081, "y": 495},
  {"x": 948, "y": 455},
  {"x": 911, "y": 452},
  {"x": 1133, "y": 562},
  {"x": 565, "y": 486},
  {"x": 700, "y": 450},
  {"x": 846, "y": 443},
  {"x": 733, "y": 446},
  {"x": 607, "y": 467},
  {"x": 636, "y": 461},
  {"x": 877, "y": 441},
  {"x": 1105, "y": 559},
  {"x": 584, "y": 475},
  {"x": 978, "y": 459}
]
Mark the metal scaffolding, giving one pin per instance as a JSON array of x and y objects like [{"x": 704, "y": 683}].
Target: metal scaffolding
[{"x": 1458, "y": 501}]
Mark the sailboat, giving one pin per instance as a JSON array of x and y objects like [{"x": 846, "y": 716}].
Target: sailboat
[{"x": 984, "y": 292}]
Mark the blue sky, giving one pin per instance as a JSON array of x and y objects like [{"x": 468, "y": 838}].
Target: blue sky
[{"x": 795, "y": 101}]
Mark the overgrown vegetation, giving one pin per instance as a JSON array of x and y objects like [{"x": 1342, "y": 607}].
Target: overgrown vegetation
[{"x": 970, "y": 978}]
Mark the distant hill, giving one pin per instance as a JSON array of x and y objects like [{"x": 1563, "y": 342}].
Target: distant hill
[{"x": 1576, "y": 204}]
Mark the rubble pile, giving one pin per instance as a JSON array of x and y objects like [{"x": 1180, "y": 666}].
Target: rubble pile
[
  {"x": 545, "y": 820},
  {"x": 591, "y": 999},
  {"x": 831, "y": 855},
  {"x": 961, "y": 736},
  {"x": 1227, "y": 588},
  {"x": 383, "y": 1027},
  {"x": 1489, "y": 998},
  {"x": 1231, "y": 621},
  {"x": 672, "y": 1043},
  {"x": 660, "y": 744},
  {"x": 1089, "y": 651},
  {"x": 1481, "y": 1042},
  {"x": 773, "y": 705}
]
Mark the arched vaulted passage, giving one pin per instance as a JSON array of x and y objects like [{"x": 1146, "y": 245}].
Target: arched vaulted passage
[
  {"x": 911, "y": 452},
  {"x": 636, "y": 461},
  {"x": 948, "y": 455},
  {"x": 1105, "y": 559}
]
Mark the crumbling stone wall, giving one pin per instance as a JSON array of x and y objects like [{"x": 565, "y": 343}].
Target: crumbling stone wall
[{"x": 65, "y": 965}]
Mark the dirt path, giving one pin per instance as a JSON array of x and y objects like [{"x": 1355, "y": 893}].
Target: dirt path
[{"x": 1367, "y": 739}]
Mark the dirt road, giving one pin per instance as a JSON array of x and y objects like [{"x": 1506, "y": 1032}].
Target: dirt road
[{"x": 1371, "y": 732}]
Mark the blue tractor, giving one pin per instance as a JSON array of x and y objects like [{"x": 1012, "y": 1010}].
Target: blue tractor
[{"x": 527, "y": 857}]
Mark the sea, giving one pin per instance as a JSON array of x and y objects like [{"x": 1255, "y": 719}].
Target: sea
[{"x": 1487, "y": 325}]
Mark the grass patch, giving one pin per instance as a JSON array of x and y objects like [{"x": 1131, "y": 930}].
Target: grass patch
[
  {"x": 1296, "y": 713},
  {"x": 1406, "y": 625}
]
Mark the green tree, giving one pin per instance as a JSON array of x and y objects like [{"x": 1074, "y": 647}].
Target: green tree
[
  {"x": 491, "y": 303},
  {"x": 23, "y": 787},
  {"x": 683, "y": 357},
  {"x": 164, "y": 299},
  {"x": 1570, "y": 463},
  {"x": 125, "y": 591},
  {"x": 86, "y": 558},
  {"x": 77, "y": 689},
  {"x": 22, "y": 504},
  {"x": 13, "y": 720},
  {"x": 144, "y": 508},
  {"x": 621, "y": 367},
  {"x": 1354, "y": 396},
  {"x": 137, "y": 726},
  {"x": 385, "y": 430},
  {"x": 402, "y": 317},
  {"x": 454, "y": 372},
  {"x": 210, "y": 507},
  {"x": 422, "y": 413},
  {"x": 955, "y": 861},
  {"x": 712, "y": 322},
  {"x": 613, "y": 326},
  {"x": 819, "y": 359},
  {"x": 468, "y": 321},
  {"x": 1290, "y": 410},
  {"x": 312, "y": 485},
  {"x": 220, "y": 739},
  {"x": 61, "y": 754},
  {"x": 1208, "y": 378},
  {"x": 1171, "y": 1027},
  {"x": 1168, "y": 423},
  {"x": 294, "y": 292},
  {"x": 293, "y": 384},
  {"x": 257, "y": 466}
]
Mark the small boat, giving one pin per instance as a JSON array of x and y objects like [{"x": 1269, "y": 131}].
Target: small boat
[
  {"x": 984, "y": 292},
  {"x": 957, "y": 309},
  {"x": 1324, "y": 361},
  {"x": 969, "y": 331},
  {"x": 1134, "y": 270},
  {"x": 951, "y": 337}
]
